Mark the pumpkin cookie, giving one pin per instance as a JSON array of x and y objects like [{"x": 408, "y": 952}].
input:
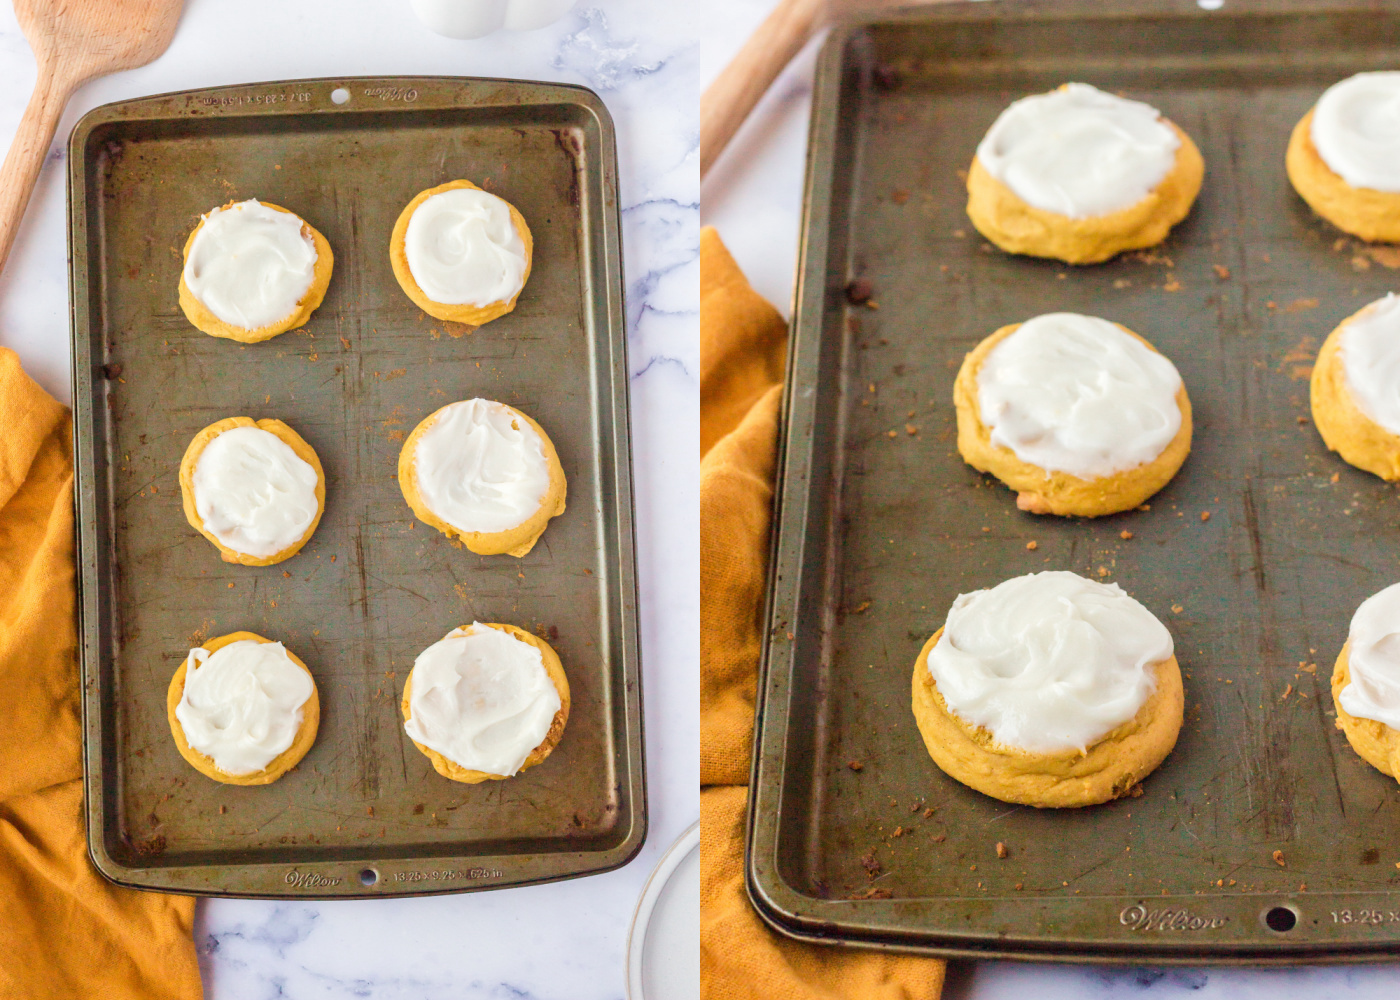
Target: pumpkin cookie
[
  {"x": 1355, "y": 389},
  {"x": 1366, "y": 682},
  {"x": 460, "y": 253},
  {"x": 484, "y": 472},
  {"x": 486, "y": 702},
  {"x": 254, "y": 488},
  {"x": 1049, "y": 690},
  {"x": 243, "y": 709},
  {"x": 1080, "y": 175},
  {"x": 1078, "y": 415},
  {"x": 1343, "y": 157},
  {"x": 253, "y": 270}
]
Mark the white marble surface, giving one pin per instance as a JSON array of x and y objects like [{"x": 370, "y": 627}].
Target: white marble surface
[
  {"x": 565, "y": 940},
  {"x": 753, "y": 196}
]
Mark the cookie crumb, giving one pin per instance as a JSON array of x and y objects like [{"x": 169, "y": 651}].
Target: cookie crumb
[
  {"x": 929, "y": 812},
  {"x": 1002, "y": 852},
  {"x": 910, "y": 429},
  {"x": 1278, "y": 859},
  {"x": 1103, "y": 571},
  {"x": 1019, "y": 885},
  {"x": 874, "y": 892},
  {"x": 893, "y": 434},
  {"x": 1205, "y": 515},
  {"x": 898, "y": 832},
  {"x": 900, "y": 197},
  {"x": 856, "y": 765},
  {"x": 860, "y": 607},
  {"x": 1335, "y": 476},
  {"x": 1125, "y": 535},
  {"x": 870, "y": 863},
  {"x": 1221, "y": 271},
  {"x": 1172, "y": 285},
  {"x": 1032, "y": 545},
  {"x": 1302, "y": 420},
  {"x": 1286, "y": 692},
  {"x": 940, "y": 838},
  {"x": 1144, "y": 506}
]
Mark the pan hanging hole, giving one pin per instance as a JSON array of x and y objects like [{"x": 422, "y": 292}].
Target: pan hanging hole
[
  {"x": 1281, "y": 919},
  {"x": 369, "y": 876},
  {"x": 340, "y": 95}
]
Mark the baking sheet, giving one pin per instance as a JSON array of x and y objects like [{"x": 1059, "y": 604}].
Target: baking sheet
[
  {"x": 855, "y": 836},
  {"x": 364, "y": 813}
]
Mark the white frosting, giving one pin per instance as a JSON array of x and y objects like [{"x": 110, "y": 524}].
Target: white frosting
[
  {"x": 1370, "y": 354},
  {"x": 242, "y": 704},
  {"x": 253, "y": 492},
  {"x": 1373, "y": 660},
  {"x": 1356, "y": 130},
  {"x": 1076, "y": 394},
  {"x": 250, "y": 264},
  {"x": 481, "y": 466},
  {"x": 1049, "y": 661},
  {"x": 463, "y": 248},
  {"x": 482, "y": 698},
  {"x": 1079, "y": 152}
]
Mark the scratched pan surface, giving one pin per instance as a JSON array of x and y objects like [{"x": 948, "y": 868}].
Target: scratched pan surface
[
  {"x": 364, "y": 813},
  {"x": 880, "y": 524}
]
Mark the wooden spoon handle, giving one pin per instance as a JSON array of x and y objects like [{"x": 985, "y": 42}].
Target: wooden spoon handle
[
  {"x": 27, "y": 153},
  {"x": 728, "y": 100}
]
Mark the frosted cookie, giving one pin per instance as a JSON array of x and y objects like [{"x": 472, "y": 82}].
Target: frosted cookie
[
  {"x": 484, "y": 472},
  {"x": 1366, "y": 682},
  {"x": 1078, "y": 415},
  {"x": 1355, "y": 389},
  {"x": 243, "y": 709},
  {"x": 1049, "y": 690},
  {"x": 253, "y": 270},
  {"x": 254, "y": 488},
  {"x": 460, "y": 253},
  {"x": 1344, "y": 156},
  {"x": 1081, "y": 175},
  {"x": 486, "y": 702}
]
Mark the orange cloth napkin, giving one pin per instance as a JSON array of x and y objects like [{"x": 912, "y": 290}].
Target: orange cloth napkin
[
  {"x": 65, "y": 931},
  {"x": 743, "y": 343}
]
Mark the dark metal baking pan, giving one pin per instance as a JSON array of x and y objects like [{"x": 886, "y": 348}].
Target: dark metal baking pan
[
  {"x": 856, "y": 837},
  {"x": 364, "y": 814}
]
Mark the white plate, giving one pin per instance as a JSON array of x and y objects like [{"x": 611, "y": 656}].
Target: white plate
[{"x": 663, "y": 946}]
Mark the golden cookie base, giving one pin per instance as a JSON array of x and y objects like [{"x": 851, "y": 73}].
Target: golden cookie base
[
  {"x": 1372, "y": 215},
  {"x": 1042, "y": 492},
  {"x": 1374, "y": 742},
  {"x": 468, "y": 314},
  {"x": 555, "y": 669},
  {"x": 1017, "y": 227},
  {"x": 1110, "y": 769},
  {"x": 283, "y": 762},
  {"x": 515, "y": 541},
  {"x": 199, "y": 315},
  {"x": 1344, "y": 428},
  {"x": 293, "y": 440}
]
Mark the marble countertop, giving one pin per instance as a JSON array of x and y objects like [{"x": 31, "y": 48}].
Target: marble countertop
[
  {"x": 753, "y": 197},
  {"x": 568, "y": 939}
]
